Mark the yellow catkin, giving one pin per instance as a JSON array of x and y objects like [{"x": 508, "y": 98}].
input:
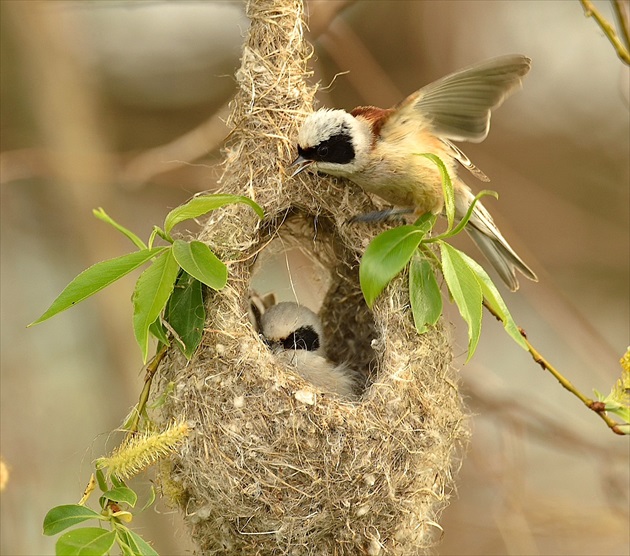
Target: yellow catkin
[{"x": 141, "y": 451}]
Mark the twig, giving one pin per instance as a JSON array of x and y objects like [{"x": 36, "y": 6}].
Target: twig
[
  {"x": 144, "y": 395},
  {"x": 622, "y": 21},
  {"x": 594, "y": 405},
  {"x": 608, "y": 29}
]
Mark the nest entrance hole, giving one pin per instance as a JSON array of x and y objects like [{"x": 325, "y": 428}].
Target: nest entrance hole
[{"x": 304, "y": 260}]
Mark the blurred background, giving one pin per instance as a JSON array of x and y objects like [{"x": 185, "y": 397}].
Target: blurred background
[{"x": 118, "y": 104}]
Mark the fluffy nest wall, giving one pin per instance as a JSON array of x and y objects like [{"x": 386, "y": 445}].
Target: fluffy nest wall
[{"x": 272, "y": 466}]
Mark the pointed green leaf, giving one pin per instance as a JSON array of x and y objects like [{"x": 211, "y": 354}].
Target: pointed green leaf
[
  {"x": 200, "y": 262},
  {"x": 186, "y": 313},
  {"x": 385, "y": 257},
  {"x": 424, "y": 294},
  {"x": 102, "y": 215},
  {"x": 426, "y": 222},
  {"x": 95, "y": 278},
  {"x": 158, "y": 332},
  {"x": 150, "y": 500},
  {"x": 494, "y": 299},
  {"x": 466, "y": 291},
  {"x": 447, "y": 188},
  {"x": 88, "y": 541},
  {"x": 62, "y": 517},
  {"x": 152, "y": 291},
  {"x": 138, "y": 546},
  {"x": 121, "y": 495},
  {"x": 462, "y": 223},
  {"x": 100, "y": 478},
  {"x": 203, "y": 204}
]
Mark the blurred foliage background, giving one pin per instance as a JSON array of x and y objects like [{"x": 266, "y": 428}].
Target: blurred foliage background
[{"x": 119, "y": 103}]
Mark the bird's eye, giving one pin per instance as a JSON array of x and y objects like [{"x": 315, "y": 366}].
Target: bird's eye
[{"x": 322, "y": 150}]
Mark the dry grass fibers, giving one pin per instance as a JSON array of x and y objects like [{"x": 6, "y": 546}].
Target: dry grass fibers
[{"x": 272, "y": 466}]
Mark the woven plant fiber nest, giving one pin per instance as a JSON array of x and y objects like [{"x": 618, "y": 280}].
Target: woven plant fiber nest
[{"x": 272, "y": 465}]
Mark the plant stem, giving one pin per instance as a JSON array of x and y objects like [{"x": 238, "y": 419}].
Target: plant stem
[
  {"x": 594, "y": 405},
  {"x": 608, "y": 29},
  {"x": 144, "y": 395},
  {"x": 622, "y": 21}
]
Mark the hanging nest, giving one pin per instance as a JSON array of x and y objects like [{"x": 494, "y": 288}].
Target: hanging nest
[{"x": 272, "y": 465}]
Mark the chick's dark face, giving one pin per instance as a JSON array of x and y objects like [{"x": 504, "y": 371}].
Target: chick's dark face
[{"x": 304, "y": 337}]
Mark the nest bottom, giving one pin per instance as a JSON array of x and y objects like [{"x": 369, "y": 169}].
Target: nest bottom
[{"x": 274, "y": 467}]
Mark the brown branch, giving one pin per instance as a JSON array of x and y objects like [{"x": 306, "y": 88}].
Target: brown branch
[
  {"x": 594, "y": 405},
  {"x": 622, "y": 50}
]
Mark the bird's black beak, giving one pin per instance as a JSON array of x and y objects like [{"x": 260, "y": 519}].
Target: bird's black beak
[{"x": 300, "y": 164}]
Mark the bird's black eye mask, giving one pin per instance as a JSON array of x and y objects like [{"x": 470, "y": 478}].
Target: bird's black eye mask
[
  {"x": 338, "y": 149},
  {"x": 304, "y": 337}
]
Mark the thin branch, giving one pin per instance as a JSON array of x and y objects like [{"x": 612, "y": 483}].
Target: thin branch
[
  {"x": 594, "y": 405},
  {"x": 622, "y": 50},
  {"x": 621, "y": 14},
  {"x": 152, "y": 367}
]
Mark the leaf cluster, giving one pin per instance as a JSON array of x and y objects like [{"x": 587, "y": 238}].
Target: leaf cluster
[
  {"x": 618, "y": 401},
  {"x": 168, "y": 295},
  {"x": 116, "y": 502},
  {"x": 413, "y": 247}
]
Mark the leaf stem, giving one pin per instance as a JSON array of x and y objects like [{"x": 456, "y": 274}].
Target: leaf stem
[{"x": 594, "y": 405}]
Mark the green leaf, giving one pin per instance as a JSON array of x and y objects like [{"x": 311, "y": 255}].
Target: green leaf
[
  {"x": 466, "y": 291},
  {"x": 102, "y": 215},
  {"x": 203, "y": 204},
  {"x": 150, "y": 500},
  {"x": 385, "y": 257},
  {"x": 425, "y": 222},
  {"x": 447, "y": 188},
  {"x": 186, "y": 313},
  {"x": 462, "y": 223},
  {"x": 117, "y": 482},
  {"x": 121, "y": 495},
  {"x": 152, "y": 291},
  {"x": 157, "y": 331},
  {"x": 95, "y": 278},
  {"x": 424, "y": 294},
  {"x": 622, "y": 411},
  {"x": 494, "y": 299},
  {"x": 199, "y": 261},
  {"x": 88, "y": 541},
  {"x": 100, "y": 478},
  {"x": 62, "y": 517},
  {"x": 136, "y": 543}
]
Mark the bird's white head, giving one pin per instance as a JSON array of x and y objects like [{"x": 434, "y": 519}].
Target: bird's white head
[
  {"x": 289, "y": 326},
  {"x": 333, "y": 142}
]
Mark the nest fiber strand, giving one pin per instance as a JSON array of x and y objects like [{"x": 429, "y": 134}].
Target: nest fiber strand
[{"x": 272, "y": 466}]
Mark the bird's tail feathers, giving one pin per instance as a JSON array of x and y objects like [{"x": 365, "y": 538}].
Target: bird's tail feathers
[{"x": 491, "y": 242}]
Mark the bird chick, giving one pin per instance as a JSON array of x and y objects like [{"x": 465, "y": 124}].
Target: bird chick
[
  {"x": 295, "y": 334},
  {"x": 378, "y": 149}
]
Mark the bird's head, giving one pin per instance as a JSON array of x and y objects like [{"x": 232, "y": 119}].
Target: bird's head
[
  {"x": 333, "y": 142},
  {"x": 289, "y": 326}
]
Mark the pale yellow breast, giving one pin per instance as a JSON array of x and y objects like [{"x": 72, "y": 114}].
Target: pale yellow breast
[{"x": 398, "y": 174}]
